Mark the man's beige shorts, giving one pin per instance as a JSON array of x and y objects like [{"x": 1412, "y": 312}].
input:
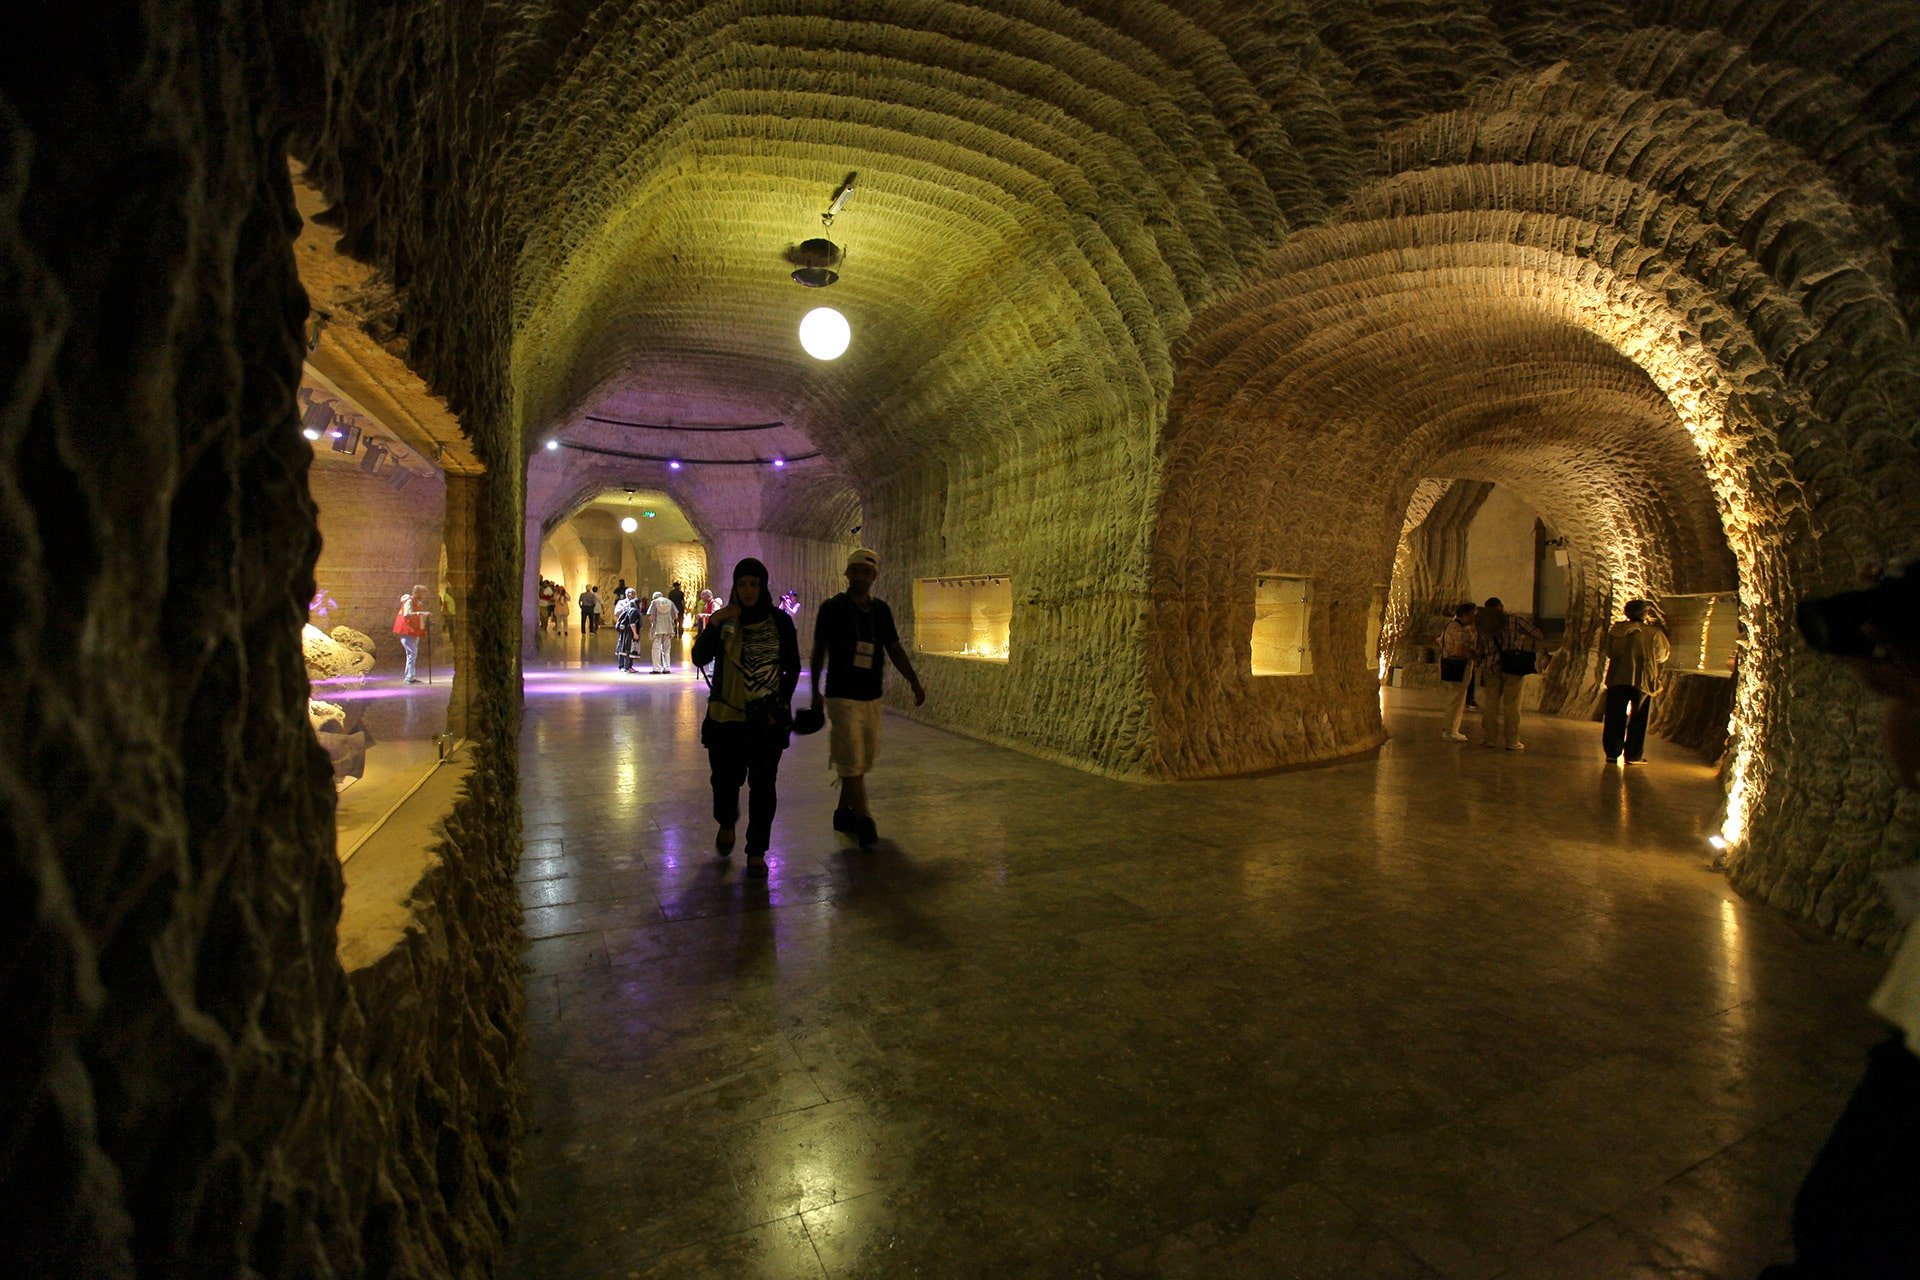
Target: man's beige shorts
[{"x": 853, "y": 735}]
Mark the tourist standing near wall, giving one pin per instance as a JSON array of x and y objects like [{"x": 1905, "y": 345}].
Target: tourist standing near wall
[
  {"x": 851, "y": 634},
  {"x": 1509, "y": 653},
  {"x": 1458, "y": 647},
  {"x": 1636, "y": 651},
  {"x": 411, "y": 624}
]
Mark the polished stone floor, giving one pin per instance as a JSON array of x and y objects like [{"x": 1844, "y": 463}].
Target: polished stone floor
[{"x": 1448, "y": 1012}]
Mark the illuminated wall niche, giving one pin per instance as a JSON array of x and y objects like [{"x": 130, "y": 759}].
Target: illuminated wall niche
[
  {"x": 1705, "y": 629},
  {"x": 1376, "y": 618},
  {"x": 969, "y": 617},
  {"x": 1282, "y": 608}
]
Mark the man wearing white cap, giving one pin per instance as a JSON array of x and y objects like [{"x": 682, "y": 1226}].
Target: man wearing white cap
[{"x": 850, "y": 634}]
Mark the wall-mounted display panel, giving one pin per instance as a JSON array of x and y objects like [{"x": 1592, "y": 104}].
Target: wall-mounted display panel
[
  {"x": 1705, "y": 630},
  {"x": 1282, "y": 614},
  {"x": 964, "y": 617},
  {"x": 1376, "y": 618}
]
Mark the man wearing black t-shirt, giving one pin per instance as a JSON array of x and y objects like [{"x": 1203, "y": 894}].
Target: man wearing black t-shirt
[{"x": 851, "y": 633}]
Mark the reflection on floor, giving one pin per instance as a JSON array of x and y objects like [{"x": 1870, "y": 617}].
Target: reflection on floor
[
  {"x": 402, "y": 720},
  {"x": 1449, "y": 1012}
]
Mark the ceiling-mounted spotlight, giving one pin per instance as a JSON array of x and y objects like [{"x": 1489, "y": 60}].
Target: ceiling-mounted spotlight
[
  {"x": 817, "y": 258},
  {"x": 673, "y": 464},
  {"x": 814, "y": 259},
  {"x": 825, "y": 334},
  {"x": 839, "y": 200},
  {"x": 628, "y": 524},
  {"x": 552, "y": 444},
  {"x": 314, "y": 422}
]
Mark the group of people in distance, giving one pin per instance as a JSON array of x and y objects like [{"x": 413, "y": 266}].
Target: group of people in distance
[
  {"x": 553, "y": 612},
  {"x": 754, "y": 650},
  {"x": 1499, "y": 650},
  {"x": 653, "y": 620}
]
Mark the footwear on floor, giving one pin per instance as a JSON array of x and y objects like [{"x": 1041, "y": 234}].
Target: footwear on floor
[
  {"x": 1636, "y": 760},
  {"x": 724, "y": 841},
  {"x": 1516, "y": 746},
  {"x": 867, "y": 833},
  {"x": 845, "y": 819},
  {"x": 1450, "y": 736},
  {"x": 1613, "y": 759}
]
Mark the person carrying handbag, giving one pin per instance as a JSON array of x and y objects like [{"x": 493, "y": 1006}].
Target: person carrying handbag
[
  {"x": 1509, "y": 652},
  {"x": 756, "y": 657},
  {"x": 410, "y": 623},
  {"x": 1458, "y": 645}
]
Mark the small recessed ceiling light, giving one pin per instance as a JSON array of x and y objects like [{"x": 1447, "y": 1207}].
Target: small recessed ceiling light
[
  {"x": 552, "y": 444},
  {"x": 779, "y": 462},
  {"x": 628, "y": 524},
  {"x": 673, "y": 465}
]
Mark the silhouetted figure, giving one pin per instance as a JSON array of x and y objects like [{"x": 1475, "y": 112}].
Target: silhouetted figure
[
  {"x": 1855, "y": 1217},
  {"x": 1637, "y": 650}
]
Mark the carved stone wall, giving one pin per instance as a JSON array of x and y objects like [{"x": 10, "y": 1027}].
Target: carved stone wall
[{"x": 195, "y": 1083}]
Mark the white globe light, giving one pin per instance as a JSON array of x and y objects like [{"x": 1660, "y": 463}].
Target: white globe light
[
  {"x": 824, "y": 333},
  {"x": 628, "y": 524}
]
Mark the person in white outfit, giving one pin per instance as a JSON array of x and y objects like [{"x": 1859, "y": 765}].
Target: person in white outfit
[
  {"x": 1459, "y": 645},
  {"x": 662, "y": 621}
]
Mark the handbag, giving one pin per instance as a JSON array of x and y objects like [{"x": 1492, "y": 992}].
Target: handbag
[
  {"x": 1453, "y": 670},
  {"x": 1519, "y": 662}
]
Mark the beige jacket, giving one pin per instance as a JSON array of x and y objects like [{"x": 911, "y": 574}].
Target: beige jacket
[{"x": 1636, "y": 652}]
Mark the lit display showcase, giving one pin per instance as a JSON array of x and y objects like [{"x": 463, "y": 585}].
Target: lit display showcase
[
  {"x": 968, "y": 617},
  {"x": 1705, "y": 630},
  {"x": 1282, "y": 611},
  {"x": 1376, "y": 618},
  {"x": 381, "y": 508}
]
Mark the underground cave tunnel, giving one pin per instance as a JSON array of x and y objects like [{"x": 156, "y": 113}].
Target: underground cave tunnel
[{"x": 1174, "y": 371}]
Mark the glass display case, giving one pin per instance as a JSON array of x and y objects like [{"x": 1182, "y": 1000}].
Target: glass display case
[
  {"x": 1282, "y": 613},
  {"x": 964, "y": 617},
  {"x": 378, "y": 631},
  {"x": 1705, "y": 630}
]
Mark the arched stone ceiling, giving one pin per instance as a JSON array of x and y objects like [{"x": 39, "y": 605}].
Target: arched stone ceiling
[{"x": 1042, "y": 196}]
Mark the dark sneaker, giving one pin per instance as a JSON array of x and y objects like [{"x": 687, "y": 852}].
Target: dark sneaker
[
  {"x": 724, "y": 841},
  {"x": 845, "y": 820},
  {"x": 867, "y": 833}
]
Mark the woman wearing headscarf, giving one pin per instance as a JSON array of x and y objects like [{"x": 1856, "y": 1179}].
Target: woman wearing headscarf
[{"x": 749, "y": 717}]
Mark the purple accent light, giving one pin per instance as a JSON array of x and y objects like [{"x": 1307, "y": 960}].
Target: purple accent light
[
  {"x": 779, "y": 462},
  {"x": 673, "y": 464}
]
